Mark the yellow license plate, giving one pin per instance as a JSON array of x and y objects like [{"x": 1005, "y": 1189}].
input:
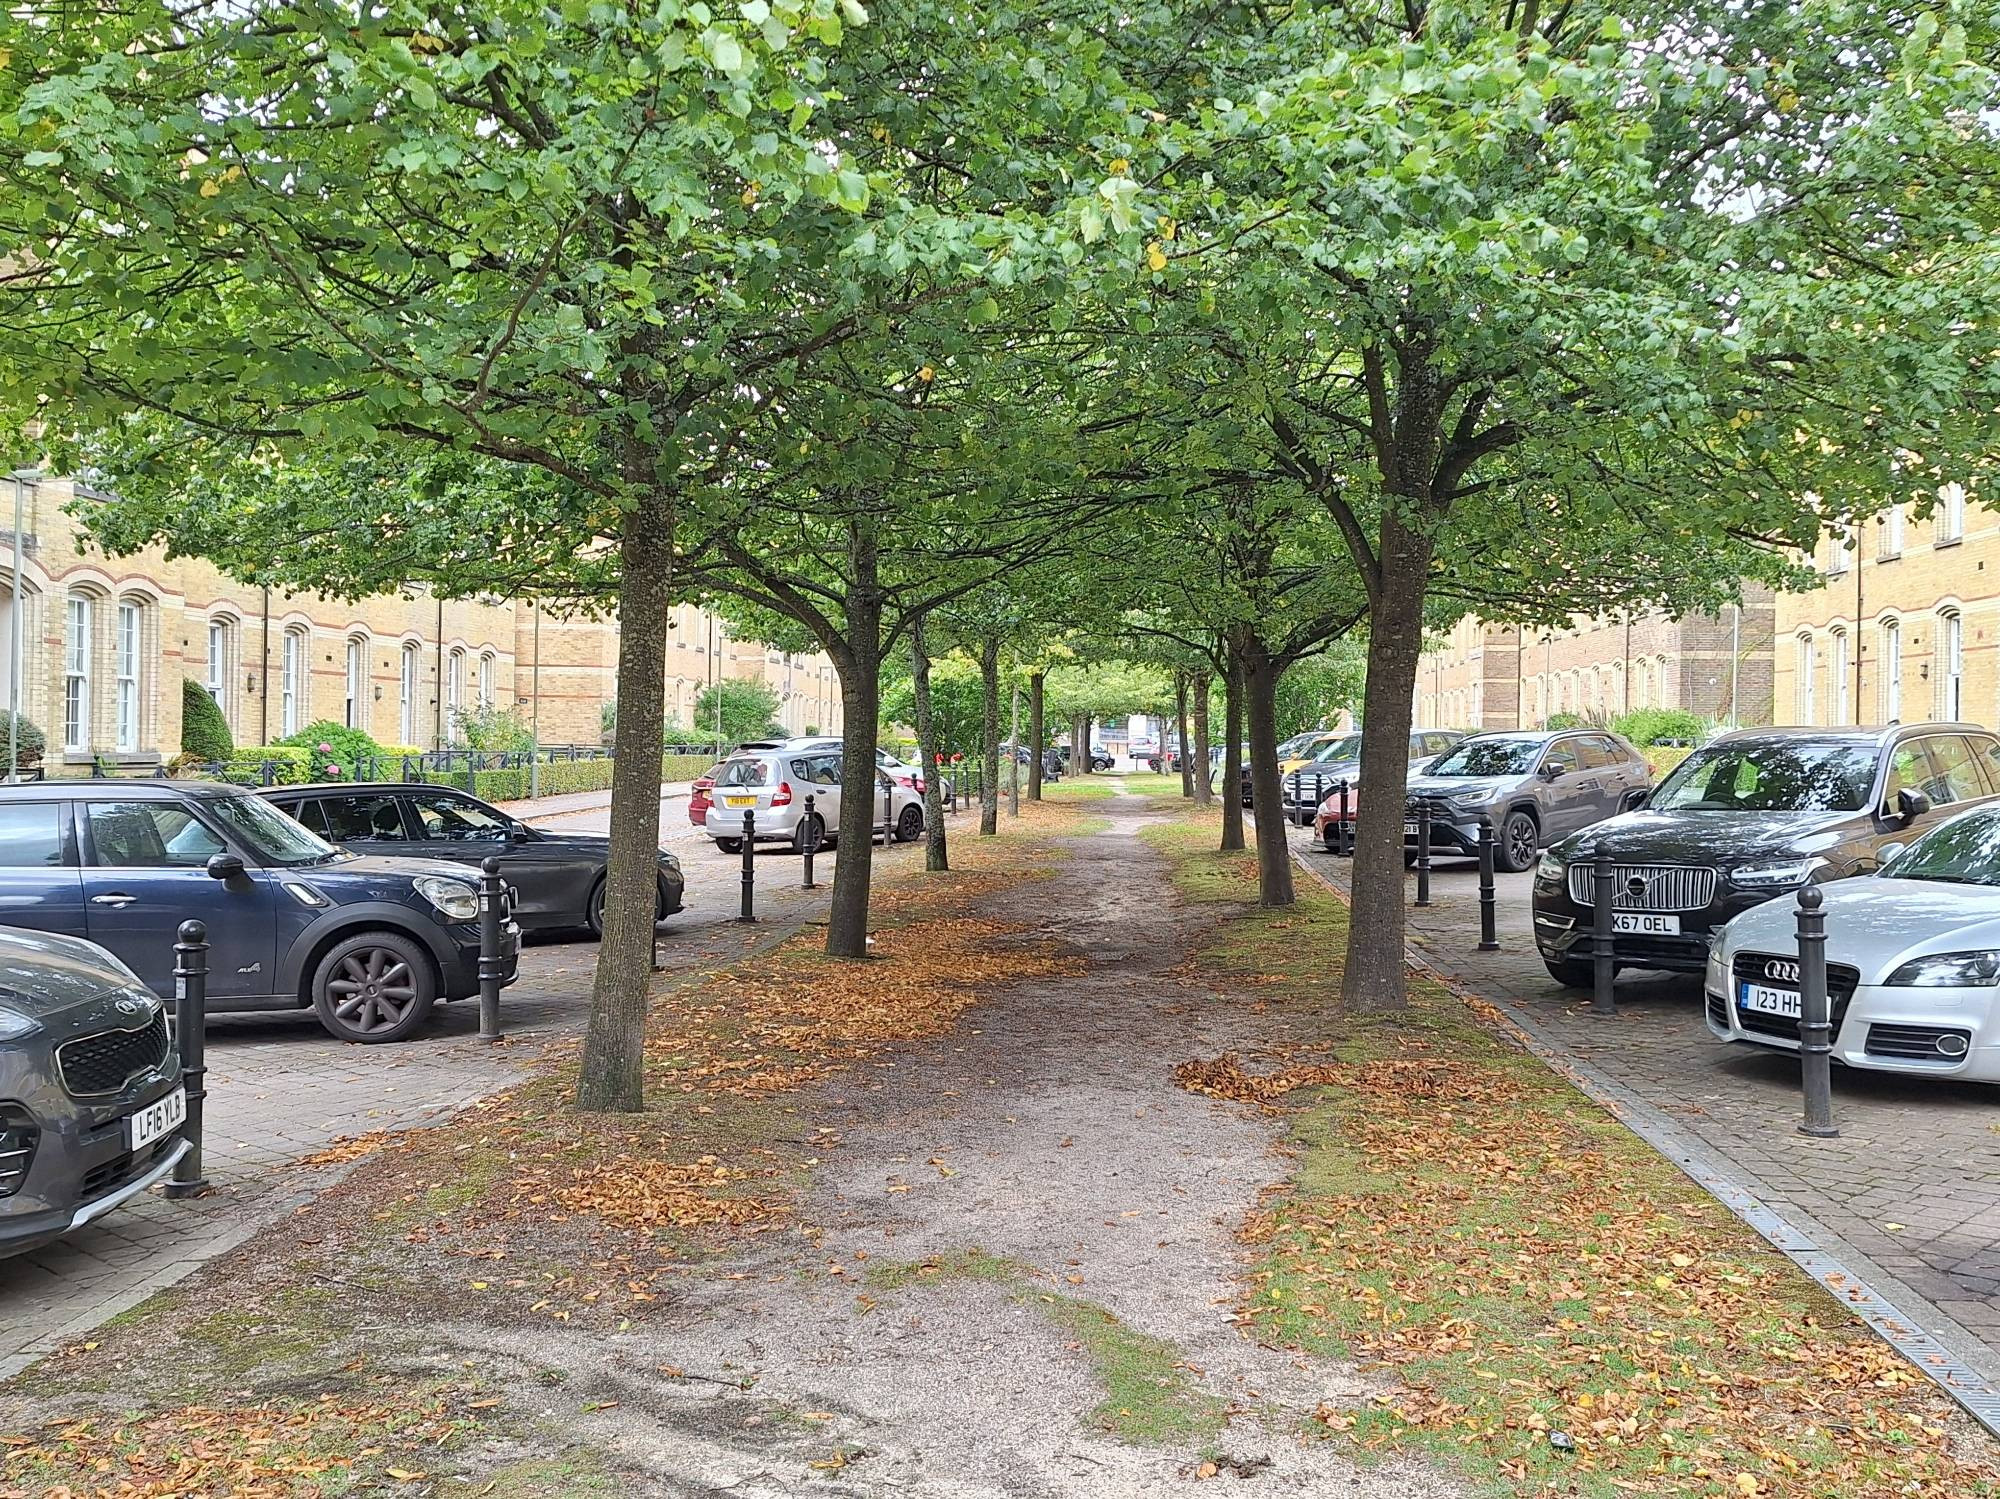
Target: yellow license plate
[{"x": 739, "y": 801}]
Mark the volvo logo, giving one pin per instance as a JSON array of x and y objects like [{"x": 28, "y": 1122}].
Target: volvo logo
[
  {"x": 1637, "y": 885},
  {"x": 1784, "y": 970}
]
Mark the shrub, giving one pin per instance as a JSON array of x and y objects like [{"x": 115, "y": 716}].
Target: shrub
[
  {"x": 1563, "y": 721},
  {"x": 335, "y": 751},
  {"x": 289, "y": 765},
  {"x": 29, "y": 744},
  {"x": 1644, "y": 726},
  {"x": 492, "y": 728},
  {"x": 204, "y": 731}
]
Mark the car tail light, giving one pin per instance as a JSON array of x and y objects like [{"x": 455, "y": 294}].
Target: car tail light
[
  {"x": 782, "y": 797},
  {"x": 907, "y": 781},
  {"x": 18, "y": 1138}
]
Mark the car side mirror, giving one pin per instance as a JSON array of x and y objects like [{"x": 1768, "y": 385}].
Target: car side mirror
[
  {"x": 1888, "y": 852},
  {"x": 518, "y": 833},
  {"x": 224, "y": 866},
  {"x": 1552, "y": 772},
  {"x": 1637, "y": 798},
  {"x": 1911, "y": 805}
]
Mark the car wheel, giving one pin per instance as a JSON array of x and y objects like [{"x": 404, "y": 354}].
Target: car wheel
[
  {"x": 374, "y": 986},
  {"x": 910, "y": 825},
  {"x": 730, "y": 845},
  {"x": 809, "y": 829},
  {"x": 1520, "y": 842},
  {"x": 1572, "y": 973},
  {"x": 593, "y": 914}
]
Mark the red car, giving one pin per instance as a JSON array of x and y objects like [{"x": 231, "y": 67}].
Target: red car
[{"x": 699, "y": 800}]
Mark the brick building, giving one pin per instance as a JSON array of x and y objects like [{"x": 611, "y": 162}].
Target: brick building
[
  {"x": 1495, "y": 676},
  {"x": 106, "y": 641}
]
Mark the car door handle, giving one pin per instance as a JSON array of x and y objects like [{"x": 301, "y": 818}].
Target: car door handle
[{"x": 116, "y": 898}]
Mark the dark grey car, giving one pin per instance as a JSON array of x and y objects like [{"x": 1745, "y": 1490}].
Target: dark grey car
[
  {"x": 91, "y": 1103},
  {"x": 1535, "y": 788}
]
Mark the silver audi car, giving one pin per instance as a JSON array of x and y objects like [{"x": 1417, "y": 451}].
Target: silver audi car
[
  {"x": 1912, "y": 960},
  {"x": 91, "y": 1101}
]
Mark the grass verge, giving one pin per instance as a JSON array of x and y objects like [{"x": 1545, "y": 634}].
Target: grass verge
[{"x": 1567, "y": 1311}]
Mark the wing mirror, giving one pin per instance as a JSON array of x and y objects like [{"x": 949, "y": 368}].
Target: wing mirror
[
  {"x": 518, "y": 833},
  {"x": 1910, "y": 805},
  {"x": 1637, "y": 798},
  {"x": 1552, "y": 772},
  {"x": 224, "y": 866},
  {"x": 1888, "y": 854}
]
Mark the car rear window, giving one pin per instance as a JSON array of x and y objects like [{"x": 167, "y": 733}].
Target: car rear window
[
  {"x": 30, "y": 834},
  {"x": 746, "y": 772}
]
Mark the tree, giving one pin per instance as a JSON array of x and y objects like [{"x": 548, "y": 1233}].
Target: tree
[
  {"x": 736, "y": 710},
  {"x": 204, "y": 731}
]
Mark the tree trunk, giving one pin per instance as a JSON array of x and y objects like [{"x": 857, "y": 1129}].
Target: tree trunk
[
  {"x": 1375, "y": 976},
  {"x": 1079, "y": 745},
  {"x": 989, "y": 735},
  {"x": 611, "y": 1073},
  {"x": 1202, "y": 794},
  {"x": 1037, "y": 736},
  {"x": 1232, "y": 755},
  {"x": 1181, "y": 732},
  {"x": 860, "y": 668},
  {"x": 1274, "y": 854},
  {"x": 1014, "y": 755},
  {"x": 935, "y": 855}
]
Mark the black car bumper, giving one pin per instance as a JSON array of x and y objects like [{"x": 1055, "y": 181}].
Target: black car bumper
[
  {"x": 460, "y": 964},
  {"x": 1563, "y": 930},
  {"x": 82, "y": 1168},
  {"x": 1448, "y": 835}
]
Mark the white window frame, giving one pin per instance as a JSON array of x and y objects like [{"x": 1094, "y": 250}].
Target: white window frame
[
  {"x": 76, "y": 672},
  {"x": 218, "y": 664},
  {"x": 1842, "y": 679},
  {"x": 357, "y": 683},
  {"x": 1892, "y": 532},
  {"x": 128, "y": 639},
  {"x": 291, "y": 680},
  {"x": 488, "y": 676},
  {"x": 1892, "y": 671},
  {"x": 407, "y": 695},
  {"x": 1951, "y": 666},
  {"x": 454, "y": 689},
  {"x": 1951, "y": 512},
  {"x": 1808, "y": 667}
]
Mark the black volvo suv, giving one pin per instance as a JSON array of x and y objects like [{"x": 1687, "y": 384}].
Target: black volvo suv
[{"x": 1748, "y": 816}]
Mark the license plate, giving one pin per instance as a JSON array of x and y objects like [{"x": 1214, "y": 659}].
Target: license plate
[
  {"x": 156, "y": 1119},
  {"x": 1768, "y": 1001},
  {"x": 739, "y": 801},
  {"x": 1409, "y": 830},
  {"x": 1646, "y": 923}
]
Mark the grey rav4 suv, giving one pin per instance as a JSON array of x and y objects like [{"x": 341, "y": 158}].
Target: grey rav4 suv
[
  {"x": 1535, "y": 788},
  {"x": 91, "y": 1103}
]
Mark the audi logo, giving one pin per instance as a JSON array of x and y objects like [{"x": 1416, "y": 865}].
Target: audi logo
[{"x": 1783, "y": 970}]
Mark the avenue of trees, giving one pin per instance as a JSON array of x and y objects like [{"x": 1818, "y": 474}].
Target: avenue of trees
[{"x": 1035, "y": 363}]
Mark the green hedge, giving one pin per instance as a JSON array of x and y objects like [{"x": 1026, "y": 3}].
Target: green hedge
[
  {"x": 561, "y": 777},
  {"x": 290, "y": 765},
  {"x": 1664, "y": 757}
]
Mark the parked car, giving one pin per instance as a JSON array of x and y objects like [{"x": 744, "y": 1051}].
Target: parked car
[
  {"x": 1311, "y": 790},
  {"x": 1535, "y": 789},
  {"x": 897, "y": 769},
  {"x": 92, "y": 1087},
  {"x": 1912, "y": 960},
  {"x": 774, "y": 784},
  {"x": 1750, "y": 815},
  {"x": 371, "y": 944},
  {"x": 698, "y": 795},
  {"x": 557, "y": 877},
  {"x": 1052, "y": 765},
  {"x": 1099, "y": 759}
]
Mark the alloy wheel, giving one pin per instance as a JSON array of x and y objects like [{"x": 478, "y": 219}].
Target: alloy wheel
[{"x": 372, "y": 990}]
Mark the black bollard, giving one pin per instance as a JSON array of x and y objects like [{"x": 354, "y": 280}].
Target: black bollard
[
  {"x": 810, "y": 844},
  {"x": 1423, "y": 853},
  {"x": 1319, "y": 795},
  {"x": 191, "y": 1035},
  {"x": 1603, "y": 943},
  {"x": 749, "y": 865},
  {"x": 1815, "y": 1018},
  {"x": 1346, "y": 840},
  {"x": 492, "y": 966},
  {"x": 1489, "y": 940},
  {"x": 888, "y": 812}
]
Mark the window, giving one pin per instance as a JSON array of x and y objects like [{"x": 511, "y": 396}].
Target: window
[
  {"x": 357, "y": 684},
  {"x": 1599, "y": 754},
  {"x": 218, "y": 663},
  {"x": 1808, "y": 668},
  {"x": 1892, "y": 533},
  {"x": 406, "y": 696},
  {"x": 31, "y": 835},
  {"x": 355, "y": 819},
  {"x": 1836, "y": 558},
  {"x": 127, "y": 673},
  {"x": 1958, "y": 777},
  {"x": 1909, "y": 770},
  {"x": 142, "y": 835},
  {"x": 455, "y": 820},
  {"x": 76, "y": 674},
  {"x": 1563, "y": 757},
  {"x": 487, "y": 667},
  {"x": 1951, "y": 666},
  {"x": 1892, "y": 672},
  {"x": 292, "y": 681},
  {"x": 1951, "y": 513},
  {"x": 1841, "y": 679},
  {"x": 454, "y": 689}
]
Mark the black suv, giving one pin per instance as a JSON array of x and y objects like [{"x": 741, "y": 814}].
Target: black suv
[{"x": 1751, "y": 815}]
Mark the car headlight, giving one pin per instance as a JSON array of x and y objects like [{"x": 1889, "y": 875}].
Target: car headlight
[
  {"x": 670, "y": 860},
  {"x": 15, "y": 1024},
  {"x": 1469, "y": 798},
  {"x": 1775, "y": 876},
  {"x": 453, "y": 898},
  {"x": 1550, "y": 870},
  {"x": 1949, "y": 970}
]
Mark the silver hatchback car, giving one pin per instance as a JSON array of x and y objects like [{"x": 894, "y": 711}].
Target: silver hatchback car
[{"x": 773, "y": 784}]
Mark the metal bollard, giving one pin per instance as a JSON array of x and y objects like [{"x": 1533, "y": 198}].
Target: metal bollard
[
  {"x": 749, "y": 865},
  {"x": 888, "y": 813},
  {"x": 811, "y": 844},
  {"x": 191, "y": 1035},
  {"x": 1603, "y": 943},
  {"x": 1319, "y": 795},
  {"x": 1346, "y": 840},
  {"x": 1489, "y": 941},
  {"x": 1423, "y": 853},
  {"x": 1815, "y": 1018},
  {"x": 492, "y": 967}
]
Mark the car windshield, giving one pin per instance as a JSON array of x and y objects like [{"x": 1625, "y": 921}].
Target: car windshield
[
  {"x": 1965, "y": 851},
  {"x": 1780, "y": 777},
  {"x": 1295, "y": 746},
  {"x": 1488, "y": 757},
  {"x": 272, "y": 836},
  {"x": 1346, "y": 747}
]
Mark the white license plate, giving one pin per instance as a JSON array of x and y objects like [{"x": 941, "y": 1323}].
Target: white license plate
[
  {"x": 1768, "y": 1001},
  {"x": 739, "y": 801},
  {"x": 1409, "y": 830},
  {"x": 156, "y": 1119},
  {"x": 1646, "y": 923}
]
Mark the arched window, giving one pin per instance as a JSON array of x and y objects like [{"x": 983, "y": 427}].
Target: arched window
[
  {"x": 292, "y": 681},
  {"x": 1951, "y": 665},
  {"x": 488, "y": 671},
  {"x": 1841, "y": 678},
  {"x": 406, "y": 695},
  {"x": 356, "y": 716},
  {"x": 454, "y": 691},
  {"x": 76, "y": 671},
  {"x": 1808, "y": 668},
  {"x": 1892, "y": 672},
  {"x": 128, "y": 665},
  {"x": 221, "y": 660}
]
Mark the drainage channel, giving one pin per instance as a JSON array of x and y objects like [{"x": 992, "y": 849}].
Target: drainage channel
[{"x": 1977, "y": 1395}]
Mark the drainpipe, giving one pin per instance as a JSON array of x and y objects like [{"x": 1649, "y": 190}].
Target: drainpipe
[
  {"x": 264, "y": 677},
  {"x": 1857, "y": 625},
  {"x": 535, "y": 680},
  {"x": 1735, "y": 658},
  {"x": 438, "y": 740},
  {"x": 14, "y": 649}
]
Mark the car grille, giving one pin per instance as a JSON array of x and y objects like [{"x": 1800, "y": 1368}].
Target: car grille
[
  {"x": 117, "y": 1171},
  {"x": 18, "y": 1138},
  {"x": 1718, "y": 1010},
  {"x": 108, "y": 1060},
  {"x": 1669, "y": 887},
  {"x": 1840, "y": 985},
  {"x": 1919, "y": 1043}
]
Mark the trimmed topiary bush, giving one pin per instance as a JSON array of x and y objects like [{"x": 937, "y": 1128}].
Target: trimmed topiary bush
[{"x": 204, "y": 731}]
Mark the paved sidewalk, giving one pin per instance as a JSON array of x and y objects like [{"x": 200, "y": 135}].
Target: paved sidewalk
[
  {"x": 543, "y": 808},
  {"x": 1908, "y": 1195}
]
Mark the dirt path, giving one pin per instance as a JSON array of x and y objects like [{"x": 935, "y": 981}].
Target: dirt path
[{"x": 1023, "y": 1237}]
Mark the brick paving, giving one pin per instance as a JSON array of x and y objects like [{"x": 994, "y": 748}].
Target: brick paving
[
  {"x": 280, "y": 1088},
  {"x": 1908, "y": 1195}
]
